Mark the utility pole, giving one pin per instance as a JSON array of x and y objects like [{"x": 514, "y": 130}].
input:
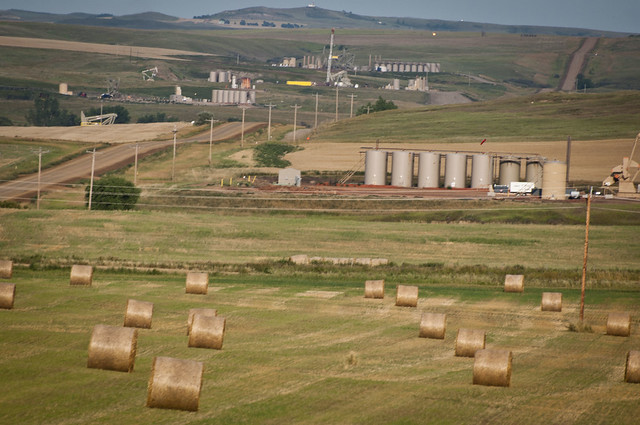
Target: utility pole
[
  {"x": 93, "y": 167},
  {"x": 295, "y": 119},
  {"x": 315, "y": 125},
  {"x": 568, "y": 159},
  {"x": 40, "y": 152},
  {"x": 584, "y": 262},
  {"x": 173, "y": 162},
  {"x": 135, "y": 167},
  {"x": 271, "y": 105},
  {"x": 336, "y": 103},
  {"x": 210, "y": 138},
  {"x": 351, "y": 113},
  {"x": 244, "y": 108}
]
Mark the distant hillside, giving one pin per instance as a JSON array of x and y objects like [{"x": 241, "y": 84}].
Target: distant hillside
[{"x": 305, "y": 17}]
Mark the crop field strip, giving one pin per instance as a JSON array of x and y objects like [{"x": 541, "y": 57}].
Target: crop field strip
[{"x": 337, "y": 343}]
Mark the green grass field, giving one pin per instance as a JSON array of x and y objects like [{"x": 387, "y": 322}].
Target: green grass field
[{"x": 308, "y": 348}]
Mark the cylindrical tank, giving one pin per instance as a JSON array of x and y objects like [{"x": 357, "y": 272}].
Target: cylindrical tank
[
  {"x": 213, "y": 77},
  {"x": 481, "y": 170},
  {"x": 401, "y": 169},
  {"x": 554, "y": 183},
  {"x": 428, "y": 169},
  {"x": 178, "y": 91},
  {"x": 509, "y": 170},
  {"x": 244, "y": 97},
  {"x": 220, "y": 95},
  {"x": 396, "y": 84},
  {"x": 252, "y": 97},
  {"x": 394, "y": 67},
  {"x": 222, "y": 77},
  {"x": 534, "y": 172},
  {"x": 236, "y": 97},
  {"x": 375, "y": 167},
  {"x": 414, "y": 67},
  {"x": 226, "y": 94},
  {"x": 455, "y": 170}
]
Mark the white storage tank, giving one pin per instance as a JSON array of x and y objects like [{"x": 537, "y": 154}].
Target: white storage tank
[
  {"x": 428, "y": 169},
  {"x": 481, "y": 171},
  {"x": 455, "y": 170},
  {"x": 534, "y": 172},
  {"x": 509, "y": 170},
  {"x": 401, "y": 169},
  {"x": 244, "y": 97},
  {"x": 252, "y": 97},
  {"x": 226, "y": 94},
  {"x": 375, "y": 167},
  {"x": 554, "y": 183}
]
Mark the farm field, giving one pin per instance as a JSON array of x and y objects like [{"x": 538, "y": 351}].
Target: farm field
[{"x": 307, "y": 347}]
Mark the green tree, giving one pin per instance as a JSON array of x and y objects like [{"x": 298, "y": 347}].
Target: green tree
[
  {"x": 47, "y": 112},
  {"x": 112, "y": 193},
  {"x": 123, "y": 113},
  {"x": 203, "y": 118},
  {"x": 380, "y": 105},
  {"x": 4, "y": 121}
]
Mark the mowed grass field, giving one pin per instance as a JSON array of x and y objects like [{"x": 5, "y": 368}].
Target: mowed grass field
[{"x": 307, "y": 348}]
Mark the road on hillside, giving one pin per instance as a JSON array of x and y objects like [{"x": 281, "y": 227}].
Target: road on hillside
[
  {"x": 111, "y": 158},
  {"x": 576, "y": 64}
]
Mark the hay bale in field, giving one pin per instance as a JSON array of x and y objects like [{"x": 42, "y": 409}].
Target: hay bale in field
[
  {"x": 316, "y": 260},
  {"x": 207, "y": 331},
  {"x": 514, "y": 283},
  {"x": 433, "y": 325},
  {"x": 299, "y": 259},
  {"x": 362, "y": 261},
  {"x": 197, "y": 283},
  {"x": 7, "y": 295},
  {"x": 209, "y": 312},
  {"x": 6, "y": 269},
  {"x": 112, "y": 348},
  {"x": 138, "y": 314},
  {"x": 81, "y": 275},
  {"x": 551, "y": 301},
  {"x": 632, "y": 369},
  {"x": 374, "y": 289},
  {"x": 379, "y": 261},
  {"x": 175, "y": 384},
  {"x": 468, "y": 341},
  {"x": 619, "y": 324},
  {"x": 342, "y": 261},
  {"x": 492, "y": 367},
  {"x": 406, "y": 296}
]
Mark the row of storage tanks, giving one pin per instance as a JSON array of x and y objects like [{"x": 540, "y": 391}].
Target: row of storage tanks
[
  {"x": 550, "y": 176},
  {"x": 234, "y": 97}
]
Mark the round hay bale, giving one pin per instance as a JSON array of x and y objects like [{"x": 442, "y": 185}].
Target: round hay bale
[
  {"x": 406, "y": 296},
  {"x": 619, "y": 324},
  {"x": 551, "y": 301},
  {"x": 374, "y": 289},
  {"x": 514, "y": 283},
  {"x": 209, "y": 312},
  {"x": 362, "y": 261},
  {"x": 6, "y": 269},
  {"x": 433, "y": 325},
  {"x": 112, "y": 348},
  {"x": 175, "y": 384},
  {"x": 492, "y": 368},
  {"x": 468, "y": 341},
  {"x": 138, "y": 314},
  {"x": 207, "y": 332},
  {"x": 632, "y": 369},
  {"x": 299, "y": 259},
  {"x": 7, "y": 295},
  {"x": 81, "y": 275},
  {"x": 379, "y": 261},
  {"x": 197, "y": 283}
]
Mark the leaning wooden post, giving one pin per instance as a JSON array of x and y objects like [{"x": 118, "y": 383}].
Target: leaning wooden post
[{"x": 586, "y": 250}]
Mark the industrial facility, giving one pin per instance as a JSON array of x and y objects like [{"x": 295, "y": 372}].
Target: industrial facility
[{"x": 459, "y": 170}]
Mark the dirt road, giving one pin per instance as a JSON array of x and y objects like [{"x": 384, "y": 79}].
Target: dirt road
[
  {"x": 105, "y": 160},
  {"x": 577, "y": 60}
]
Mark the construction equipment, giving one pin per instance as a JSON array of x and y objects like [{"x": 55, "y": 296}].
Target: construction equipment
[
  {"x": 625, "y": 174},
  {"x": 149, "y": 74},
  {"x": 102, "y": 119},
  {"x": 341, "y": 79}
]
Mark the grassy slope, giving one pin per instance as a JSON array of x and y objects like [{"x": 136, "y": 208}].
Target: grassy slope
[{"x": 289, "y": 358}]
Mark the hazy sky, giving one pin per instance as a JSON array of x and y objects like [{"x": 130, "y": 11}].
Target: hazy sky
[{"x": 610, "y": 15}]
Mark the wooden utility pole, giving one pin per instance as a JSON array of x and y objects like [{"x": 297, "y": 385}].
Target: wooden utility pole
[
  {"x": 93, "y": 167},
  {"x": 315, "y": 125},
  {"x": 173, "y": 162},
  {"x": 295, "y": 119},
  {"x": 336, "y": 103},
  {"x": 584, "y": 263},
  {"x": 568, "y": 158},
  {"x": 269, "y": 127},
  {"x": 352, "y": 96},
  {"x": 244, "y": 109},
  {"x": 135, "y": 167},
  {"x": 210, "y": 139},
  {"x": 40, "y": 152}
]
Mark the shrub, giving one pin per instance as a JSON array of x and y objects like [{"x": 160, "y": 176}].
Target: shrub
[
  {"x": 47, "y": 112},
  {"x": 112, "y": 193},
  {"x": 271, "y": 154}
]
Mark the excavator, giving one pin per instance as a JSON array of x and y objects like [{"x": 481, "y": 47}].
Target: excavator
[{"x": 625, "y": 174}]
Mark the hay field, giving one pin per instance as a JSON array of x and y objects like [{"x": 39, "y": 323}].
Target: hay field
[{"x": 293, "y": 355}]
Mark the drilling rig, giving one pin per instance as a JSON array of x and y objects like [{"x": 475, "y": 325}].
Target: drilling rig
[
  {"x": 330, "y": 56},
  {"x": 622, "y": 174}
]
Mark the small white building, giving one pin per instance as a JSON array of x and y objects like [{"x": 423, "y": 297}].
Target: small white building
[{"x": 289, "y": 177}]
